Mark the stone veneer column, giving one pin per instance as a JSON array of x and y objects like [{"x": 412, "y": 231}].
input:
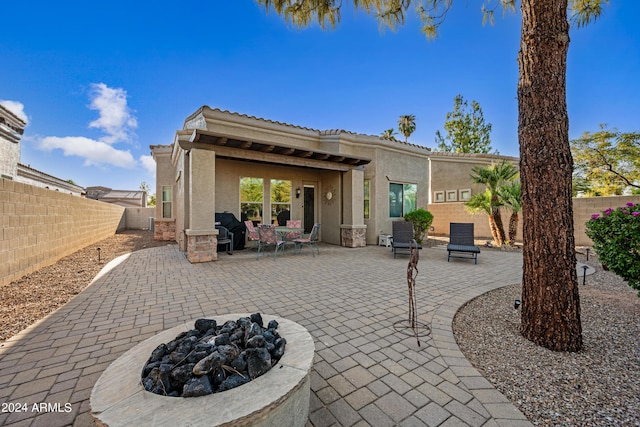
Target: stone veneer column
[
  {"x": 353, "y": 231},
  {"x": 164, "y": 229},
  {"x": 202, "y": 236},
  {"x": 353, "y": 236}
]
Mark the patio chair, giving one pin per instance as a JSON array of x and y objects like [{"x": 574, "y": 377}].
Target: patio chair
[
  {"x": 290, "y": 236},
  {"x": 269, "y": 237},
  {"x": 311, "y": 241},
  {"x": 294, "y": 223},
  {"x": 461, "y": 241},
  {"x": 225, "y": 237},
  {"x": 252, "y": 233},
  {"x": 402, "y": 236}
]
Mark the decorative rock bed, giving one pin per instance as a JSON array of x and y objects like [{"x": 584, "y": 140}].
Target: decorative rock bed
[
  {"x": 275, "y": 398},
  {"x": 213, "y": 358}
]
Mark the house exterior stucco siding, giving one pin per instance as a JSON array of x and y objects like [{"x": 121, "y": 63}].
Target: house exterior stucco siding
[
  {"x": 335, "y": 161},
  {"x": 393, "y": 167}
]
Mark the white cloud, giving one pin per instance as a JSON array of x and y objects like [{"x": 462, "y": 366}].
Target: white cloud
[
  {"x": 116, "y": 119},
  {"x": 148, "y": 163},
  {"x": 16, "y": 108},
  {"x": 94, "y": 152}
]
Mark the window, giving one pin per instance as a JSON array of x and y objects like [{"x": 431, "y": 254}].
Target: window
[
  {"x": 167, "y": 199},
  {"x": 402, "y": 199},
  {"x": 452, "y": 195},
  {"x": 366, "y": 197},
  {"x": 465, "y": 195},
  {"x": 438, "y": 196},
  {"x": 280, "y": 201},
  {"x": 251, "y": 197}
]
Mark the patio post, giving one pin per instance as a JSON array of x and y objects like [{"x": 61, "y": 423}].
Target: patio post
[
  {"x": 353, "y": 231},
  {"x": 202, "y": 236}
]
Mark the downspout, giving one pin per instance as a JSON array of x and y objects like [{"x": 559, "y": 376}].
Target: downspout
[
  {"x": 340, "y": 181},
  {"x": 429, "y": 201},
  {"x": 187, "y": 189},
  {"x": 186, "y": 201}
]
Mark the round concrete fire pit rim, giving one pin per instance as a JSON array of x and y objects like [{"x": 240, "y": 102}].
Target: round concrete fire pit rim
[{"x": 118, "y": 397}]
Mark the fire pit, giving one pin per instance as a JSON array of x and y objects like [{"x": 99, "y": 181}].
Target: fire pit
[
  {"x": 278, "y": 397},
  {"x": 212, "y": 357}
]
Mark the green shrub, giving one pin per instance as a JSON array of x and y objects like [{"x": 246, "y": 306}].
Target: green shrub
[
  {"x": 616, "y": 240},
  {"x": 421, "y": 220}
]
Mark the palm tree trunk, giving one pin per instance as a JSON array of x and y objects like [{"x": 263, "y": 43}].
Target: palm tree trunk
[
  {"x": 513, "y": 228},
  {"x": 494, "y": 230},
  {"x": 497, "y": 219}
]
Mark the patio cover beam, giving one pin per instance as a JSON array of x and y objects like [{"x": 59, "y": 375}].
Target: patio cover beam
[{"x": 201, "y": 138}]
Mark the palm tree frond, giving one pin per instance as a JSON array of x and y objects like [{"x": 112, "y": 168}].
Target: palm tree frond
[{"x": 407, "y": 125}]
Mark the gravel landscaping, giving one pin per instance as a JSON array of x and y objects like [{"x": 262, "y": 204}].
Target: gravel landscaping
[{"x": 599, "y": 386}]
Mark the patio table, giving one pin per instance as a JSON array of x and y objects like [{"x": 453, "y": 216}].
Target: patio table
[{"x": 282, "y": 231}]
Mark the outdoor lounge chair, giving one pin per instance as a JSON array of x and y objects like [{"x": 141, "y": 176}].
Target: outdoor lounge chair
[
  {"x": 402, "y": 236},
  {"x": 461, "y": 241},
  {"x": 269, "y": 237},
  {"x": 311, "y": 241}
]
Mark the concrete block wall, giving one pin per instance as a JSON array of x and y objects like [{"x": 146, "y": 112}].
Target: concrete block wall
[
  {"x": 40, "y": 226},
  {"x": 445, "y": 213},
  {"x": 583, "y": 208},
  {"x": 138, "y": 218}
]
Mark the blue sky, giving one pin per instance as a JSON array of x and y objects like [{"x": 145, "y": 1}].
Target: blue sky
[{"x": 98, "y": 82}]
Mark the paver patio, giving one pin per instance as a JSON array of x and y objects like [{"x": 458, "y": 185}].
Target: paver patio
[{"x": 365, "y": 372}]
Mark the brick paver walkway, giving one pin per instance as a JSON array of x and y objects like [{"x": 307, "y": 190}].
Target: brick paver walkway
[{"x": 365, "y": 372}]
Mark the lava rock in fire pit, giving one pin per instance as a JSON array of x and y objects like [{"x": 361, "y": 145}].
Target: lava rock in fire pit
[
  {"x": 203, "y": 325},
  {"x": 197, "y": 386},
  {"x": 212, "y": 358}
]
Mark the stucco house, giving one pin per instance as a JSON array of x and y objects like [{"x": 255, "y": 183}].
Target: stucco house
[{"x": 354, "y": 185}]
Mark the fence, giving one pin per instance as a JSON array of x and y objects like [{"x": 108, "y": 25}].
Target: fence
[
  {"x": 445, "y": 213},
  {"x": 583, "y": 208},
  {"x": 137, "y": 218},
  {"x": 40, "y": 226}
]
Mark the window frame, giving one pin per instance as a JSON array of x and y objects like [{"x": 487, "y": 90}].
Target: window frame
[
  {"x": 404, "y": 207},
  {"x": 167, "y": 202},
  {"x": 278, "y": 207},
  {"x": 253, "y": 205}
]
